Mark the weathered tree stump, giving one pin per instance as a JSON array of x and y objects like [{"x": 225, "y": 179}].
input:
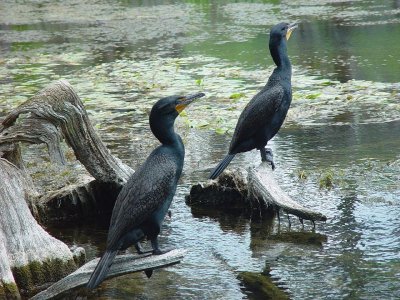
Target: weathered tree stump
[
  {"x": 54, "y": 114},
  {"x": 258, "y": 193},
  {"x": 29, "y": 255}
]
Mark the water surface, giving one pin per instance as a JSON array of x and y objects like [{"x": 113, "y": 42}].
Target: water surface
[{"x": 121, "y": 56}]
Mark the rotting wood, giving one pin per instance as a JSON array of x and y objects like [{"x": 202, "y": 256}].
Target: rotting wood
[
  {"x": 123, "y": 264},
  {"x": 263, "y": 185}
]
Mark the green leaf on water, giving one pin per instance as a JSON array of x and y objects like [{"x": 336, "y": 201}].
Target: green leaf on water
[
  {"x": 313, "y": 96},
  {"x": 236, "y": 96}
]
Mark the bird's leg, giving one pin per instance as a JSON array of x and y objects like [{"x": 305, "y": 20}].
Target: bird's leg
[
  {"x": 266, "y": 155},
  {"x": 156, "y": 248},
  {"x": 139, "y": 249}
]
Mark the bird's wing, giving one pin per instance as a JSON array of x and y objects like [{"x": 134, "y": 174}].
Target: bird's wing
[
  {"x": 144, "y": 192},
  {"x": 258, "y": 112}
]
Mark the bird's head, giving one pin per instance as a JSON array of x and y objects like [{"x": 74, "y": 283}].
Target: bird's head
[
  {"x": 173, "y": 105},
  {"x": 164, "y": 113},
  {"x": 282, "y": 31}
]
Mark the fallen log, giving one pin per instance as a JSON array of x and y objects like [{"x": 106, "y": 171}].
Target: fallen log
[{"x": 123, "y": 264}]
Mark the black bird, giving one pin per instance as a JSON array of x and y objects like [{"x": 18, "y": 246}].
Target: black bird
[
  {"x": 264, "y": 114},
  {"x": 143, "y": 202}
]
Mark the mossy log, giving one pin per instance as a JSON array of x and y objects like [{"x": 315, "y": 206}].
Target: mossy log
[
  {"x": 258, "y": 193},
  {"x": 29, "y": 255},
  {"x": 123, "y": 264}
]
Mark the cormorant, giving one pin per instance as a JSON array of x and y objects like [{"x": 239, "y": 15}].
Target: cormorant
[
  {"x": 264, "y": 114},
  {"x": 143, "y": 202}
]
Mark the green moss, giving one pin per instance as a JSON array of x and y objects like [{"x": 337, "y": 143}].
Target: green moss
[
  {"x": 261, "y": 286},
  {"x": 37, "y": 273},
  {"x": 9, "y": 291}
]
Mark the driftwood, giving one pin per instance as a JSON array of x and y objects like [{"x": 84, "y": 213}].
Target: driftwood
[
  {"x": 123, "y": 264},
  {"x": 263, "y": 185},
  {"x": 258, "y": 192}
]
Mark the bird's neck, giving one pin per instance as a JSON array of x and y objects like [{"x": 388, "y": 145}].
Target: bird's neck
[
  {"x": 164, "y": 131},
  {"x": 281, "y": 59}
]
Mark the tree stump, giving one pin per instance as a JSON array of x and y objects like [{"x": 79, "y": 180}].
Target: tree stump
[
  {"x": 29, "y": 255},
  {"x": 259, "y": 192}
]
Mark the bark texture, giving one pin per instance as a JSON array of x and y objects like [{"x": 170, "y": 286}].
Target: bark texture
[
  {"x": 56, "y": 112},
  {"x": 29, "y": 255},
  {"x": 263, "y": 186}
]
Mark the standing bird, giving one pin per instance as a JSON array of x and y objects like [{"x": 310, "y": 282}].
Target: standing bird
[
  {"x": 143, "y": 202},
  {"x": 264, "y": 114}
]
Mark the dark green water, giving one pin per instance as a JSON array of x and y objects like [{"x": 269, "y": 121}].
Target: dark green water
[{"x": 344, "y": 122}]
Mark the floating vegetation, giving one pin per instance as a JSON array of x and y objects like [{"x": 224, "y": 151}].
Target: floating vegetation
[{"x": 326, "y": 180}]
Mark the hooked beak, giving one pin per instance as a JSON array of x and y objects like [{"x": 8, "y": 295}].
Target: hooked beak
[
  {"x": 185, "y": 101},
  {"x": 291, "y": 27}
]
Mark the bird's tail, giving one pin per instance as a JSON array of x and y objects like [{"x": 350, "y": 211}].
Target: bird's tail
[
  {"x": 221, "y": 166},
  {"x": 101, "y": 269}
]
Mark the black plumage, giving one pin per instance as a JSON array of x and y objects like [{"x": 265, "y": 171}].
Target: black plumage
[
  {"x": 263, "y": 116},
  {"x": 143, "y": 202}
]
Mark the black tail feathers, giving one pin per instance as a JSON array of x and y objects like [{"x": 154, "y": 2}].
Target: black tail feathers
[
  {"x": 221, "y": 166},
  {"x": 101, "y": 269}
]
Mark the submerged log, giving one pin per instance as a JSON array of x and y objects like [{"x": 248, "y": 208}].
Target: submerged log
[
  {"x": 123, "y": 264},
  {"x": 258, "y": 193}
]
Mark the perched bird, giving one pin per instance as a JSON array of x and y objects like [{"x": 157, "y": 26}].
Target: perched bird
[
  {"x": 265, "y": 113},
  {"x": 144, "y": 201}
]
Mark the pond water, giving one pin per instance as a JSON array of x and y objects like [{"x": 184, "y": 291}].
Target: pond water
[{"x": 121, "y": 56}]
